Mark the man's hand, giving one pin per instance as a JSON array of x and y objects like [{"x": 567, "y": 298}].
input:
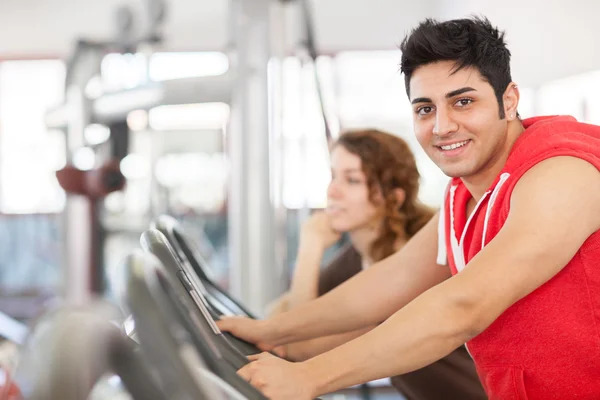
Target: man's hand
[
  {"x": 251, "y": 330},
  {"x": 278, "y": 379}
]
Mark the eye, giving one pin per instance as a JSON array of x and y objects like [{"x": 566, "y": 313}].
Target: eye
[
  {"x": 463, "y": 102},
  {"x": 353, "y": 181},
  {"x": 424, "y": 110}
]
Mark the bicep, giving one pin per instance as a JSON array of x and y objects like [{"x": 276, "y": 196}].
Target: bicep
[{"x": 554, "y": 209}]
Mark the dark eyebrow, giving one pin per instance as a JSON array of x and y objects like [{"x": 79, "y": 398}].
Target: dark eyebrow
[
  {"x": 460, "y": 91},
  {"x": 449, "y": 95},
  {"x": 421, "y": 100}
]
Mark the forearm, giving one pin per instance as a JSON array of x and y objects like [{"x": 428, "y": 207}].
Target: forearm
[
  {"x": 424, "y": 331},
  {"x": 280, "y": 305},
  {"x": 305, "y": 282},
  {"x": 304, "y": 350},
  {"x": 341, "y": 310},
  {"x": 366, "y": 299}
]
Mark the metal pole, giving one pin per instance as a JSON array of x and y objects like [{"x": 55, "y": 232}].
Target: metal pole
[
  {"x": 253, "y": 274},
  {"x": 77, "y": 222},
  {"x": 275, "y": 81}
]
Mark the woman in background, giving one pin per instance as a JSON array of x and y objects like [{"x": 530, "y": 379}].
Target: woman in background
[{"x": 373, "y": 198}]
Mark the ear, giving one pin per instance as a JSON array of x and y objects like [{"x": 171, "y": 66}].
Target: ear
[
  {"x": 511, "y": 101},
  {"x": 400, "y": 196}
]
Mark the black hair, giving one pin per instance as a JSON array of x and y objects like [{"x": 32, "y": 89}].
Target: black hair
[{"x": 470, "y": 42}]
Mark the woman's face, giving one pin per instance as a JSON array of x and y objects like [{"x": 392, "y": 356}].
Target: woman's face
[{"x": 348, "y": 203}]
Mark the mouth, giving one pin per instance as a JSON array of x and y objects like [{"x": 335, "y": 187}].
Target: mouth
[
  {"x": 453, "y": 148},
  {"x": 334, "y": 209}
]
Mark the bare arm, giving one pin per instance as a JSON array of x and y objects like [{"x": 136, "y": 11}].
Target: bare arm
[
  {"x": 388, "y": 285},
  {"x": 303, "y": 350},
  {"x": 300, "y": 351},
  {"x": 316, "y": 235},
  {"x": 346, "y": 265},
  {"x": 542, "y": 238},
  {"x": 305, "y": 281}
]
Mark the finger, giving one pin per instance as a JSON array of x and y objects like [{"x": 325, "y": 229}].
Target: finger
[
  {"x": 226, "y": 323},
  {"x": 260, "y": 356},
  {"x": 245, "y": 373},
  {"x": 222, "y": 324},
  {"x": 281, "y": 351},
  {"x": 265, "y": 346}
]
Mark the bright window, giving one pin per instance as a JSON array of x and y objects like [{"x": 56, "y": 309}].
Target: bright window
[{"x": 29, "y": 153}]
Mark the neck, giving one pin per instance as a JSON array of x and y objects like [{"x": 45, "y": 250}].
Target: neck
[
  {"x": 481, "y": 181},
  {"x": 363, "y": 238}
]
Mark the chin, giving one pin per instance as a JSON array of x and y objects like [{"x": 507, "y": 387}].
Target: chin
[
  {"x": 451, "y": 173},
  {"x": 340, "y": 227},
  {"x": 457, "y": 171},
  {"x": 341, "y": 224}
]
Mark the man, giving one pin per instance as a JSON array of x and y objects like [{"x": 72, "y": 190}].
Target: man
[{"x": 520, "y": 228}]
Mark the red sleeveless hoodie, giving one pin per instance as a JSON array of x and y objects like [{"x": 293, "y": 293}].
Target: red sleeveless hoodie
[{"x": 547, "y": 345}]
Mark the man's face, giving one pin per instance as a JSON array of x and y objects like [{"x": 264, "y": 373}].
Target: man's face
[{"x": 456, "y": 119}]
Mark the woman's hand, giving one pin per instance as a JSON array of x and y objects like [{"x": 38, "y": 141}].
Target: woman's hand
[{"x": 317, "y": 231}]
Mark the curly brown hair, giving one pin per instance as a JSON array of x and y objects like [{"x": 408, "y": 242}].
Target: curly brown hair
[{"x": 389, "y": 164}]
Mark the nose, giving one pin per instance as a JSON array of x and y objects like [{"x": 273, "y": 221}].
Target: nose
[
  {"x": 444, "y": 124},
  {"x": 334, "y": 190}
]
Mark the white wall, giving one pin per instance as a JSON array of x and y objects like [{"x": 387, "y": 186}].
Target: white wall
[
  {"x": 48, "y": 27},
  {"x": 549, "y": 39}
]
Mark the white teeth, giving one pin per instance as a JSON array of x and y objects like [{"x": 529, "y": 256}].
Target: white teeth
[{"x": 454, "y": 146}]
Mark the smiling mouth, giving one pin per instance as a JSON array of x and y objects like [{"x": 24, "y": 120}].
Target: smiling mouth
[{"x": 454, "y": 145}]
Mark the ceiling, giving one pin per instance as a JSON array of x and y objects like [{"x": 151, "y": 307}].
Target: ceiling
[{"x": 549, "y": 39}]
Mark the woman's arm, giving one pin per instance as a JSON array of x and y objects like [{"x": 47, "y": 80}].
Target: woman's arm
[
  {"x": 315, "y": 237},
  {"x": 347, "y": 264}
]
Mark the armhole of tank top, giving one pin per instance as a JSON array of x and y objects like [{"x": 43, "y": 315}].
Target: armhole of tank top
[{"x": 442, "y": 252}]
